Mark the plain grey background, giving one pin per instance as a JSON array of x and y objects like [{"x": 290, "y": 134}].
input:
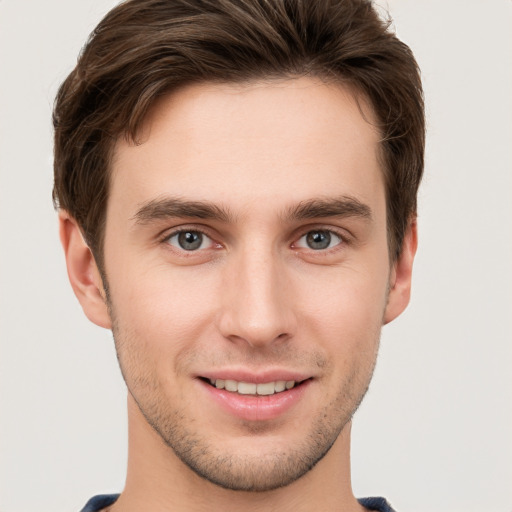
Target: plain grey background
[{"x": 434, "y": 433}]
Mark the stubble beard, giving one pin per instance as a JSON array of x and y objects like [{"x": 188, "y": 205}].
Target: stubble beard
[
  {"x": 243, "y": 472},
  {"x": 233, "y": 471}
]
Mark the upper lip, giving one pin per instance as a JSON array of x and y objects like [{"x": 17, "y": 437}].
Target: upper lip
[{"x": 256, "y": 377}]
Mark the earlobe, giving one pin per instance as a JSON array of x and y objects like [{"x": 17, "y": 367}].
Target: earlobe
[
  {"x": 83, "y": 272},
  {"x": 401, "y": 275}
]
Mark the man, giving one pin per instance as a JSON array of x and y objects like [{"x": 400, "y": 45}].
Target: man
[{"x": 236, "y": 183}]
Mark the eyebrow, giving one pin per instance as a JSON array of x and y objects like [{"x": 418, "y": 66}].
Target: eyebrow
[
  {"x": 345, "y": 206},
  {"x": 175, "y": 207}
]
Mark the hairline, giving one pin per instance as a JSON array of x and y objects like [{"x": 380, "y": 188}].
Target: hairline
[{"x": 360, "y": 97}]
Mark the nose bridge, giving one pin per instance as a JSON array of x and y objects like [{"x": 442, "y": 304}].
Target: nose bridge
[{"x": 257, "y": 307}]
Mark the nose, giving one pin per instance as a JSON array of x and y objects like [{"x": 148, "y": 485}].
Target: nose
[{"x": 257, "y": 300}]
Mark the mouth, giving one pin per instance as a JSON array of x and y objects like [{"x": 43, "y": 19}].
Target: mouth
[
  {"x": 256, "y": 397},
  {"x": 252, "y": 388}
]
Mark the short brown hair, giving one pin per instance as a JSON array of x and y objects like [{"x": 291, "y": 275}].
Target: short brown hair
[{"x": 144, "y": 49}]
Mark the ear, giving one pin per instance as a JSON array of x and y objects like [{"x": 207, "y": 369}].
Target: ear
[
  {"x": 83, "y": 272},
  {"x": 401, "y": 274}
]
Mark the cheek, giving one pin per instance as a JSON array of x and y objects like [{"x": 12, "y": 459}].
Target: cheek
[
  {"x": 345, "y": 309},
  {"x": 165, "y": 313},
  {"x": 346, "y": 295}
]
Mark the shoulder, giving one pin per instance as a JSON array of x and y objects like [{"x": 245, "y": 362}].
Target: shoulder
[
  {"x": 376, "y": 504},
  {"x": 96, "y": 503}
]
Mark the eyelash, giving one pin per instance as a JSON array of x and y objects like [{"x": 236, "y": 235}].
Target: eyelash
[
  {"x": 344, "y": 239},
  {"x": 166, "y": 239}
]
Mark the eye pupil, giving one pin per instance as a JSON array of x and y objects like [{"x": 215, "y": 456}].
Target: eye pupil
[
  {"x": 190, "y": 240},
  {"x": 318, "y": 239}
]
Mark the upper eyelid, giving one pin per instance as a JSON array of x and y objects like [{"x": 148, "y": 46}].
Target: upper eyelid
[
  {"x": 169, "y": 232},
  {"x": 204, "y": 239},
  {"x": 343, "y": 233},
  {"x": 332, "y": 231},
  {"x": 195, "y": 253},
  {"x": 343, "y": 239}
]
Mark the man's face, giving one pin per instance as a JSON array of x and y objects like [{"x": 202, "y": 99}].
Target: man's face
[{"x": 246, "y": 252}]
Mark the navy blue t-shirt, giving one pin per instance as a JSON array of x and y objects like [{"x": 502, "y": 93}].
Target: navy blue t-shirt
[{"x": 104, "y": 500}]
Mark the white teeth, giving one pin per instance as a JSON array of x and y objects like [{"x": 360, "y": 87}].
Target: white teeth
[
  {"x": 266, "y": 389},
  {"x": 250, "y": 388},
  {"x": 247, "y": 388},
  {"x": 231, "y": 385},
  {"x": 280, "y": 386}
]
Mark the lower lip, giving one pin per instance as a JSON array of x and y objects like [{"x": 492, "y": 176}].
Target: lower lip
[{"x": 257, "y": 408}]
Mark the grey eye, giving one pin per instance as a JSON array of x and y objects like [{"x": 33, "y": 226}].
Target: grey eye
[
  {"x": 189, "y": 240},
  {"x": 319, "y": 239}
]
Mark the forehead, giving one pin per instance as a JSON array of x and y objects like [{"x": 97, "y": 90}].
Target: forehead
[{"x": 264, "y": 143}]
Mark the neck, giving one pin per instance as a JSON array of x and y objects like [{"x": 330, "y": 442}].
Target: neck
[{"x": 159, "y": 481}]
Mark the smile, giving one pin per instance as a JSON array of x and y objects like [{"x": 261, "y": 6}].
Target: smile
[
  {"x": 256, "y": 397},
  {"x": 251, "y": 388}
]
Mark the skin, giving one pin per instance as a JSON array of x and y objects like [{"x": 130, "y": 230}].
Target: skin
[{"x": 254, "y": 297}]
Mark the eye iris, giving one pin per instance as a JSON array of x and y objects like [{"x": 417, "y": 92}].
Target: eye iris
[
  {"x": 318, "y": 239},
  {"x": 190, "y": 240}
]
